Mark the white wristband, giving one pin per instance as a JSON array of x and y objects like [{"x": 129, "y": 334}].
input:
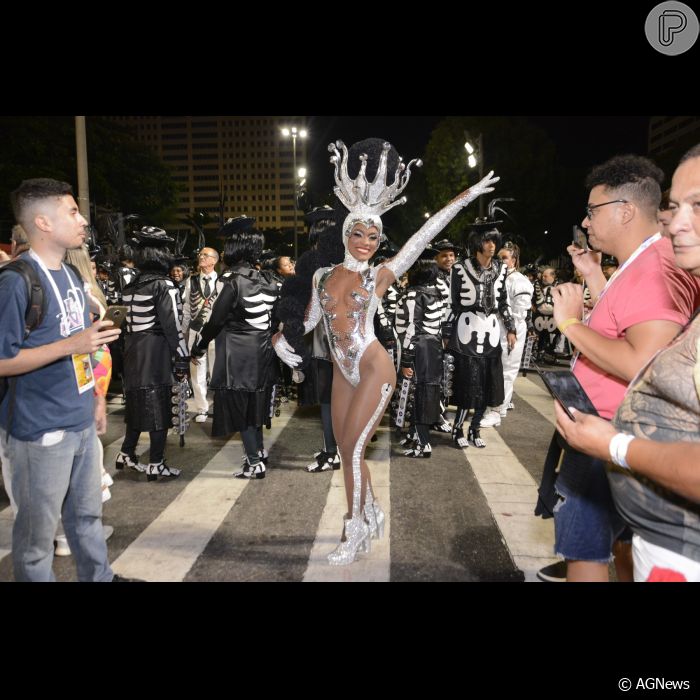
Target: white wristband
[{"x": 618, "y": 449}]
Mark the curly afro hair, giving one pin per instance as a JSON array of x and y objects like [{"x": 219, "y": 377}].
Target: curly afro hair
[
  {"x": 373, "y": 149},
  {"x": 634, "y": 178}
]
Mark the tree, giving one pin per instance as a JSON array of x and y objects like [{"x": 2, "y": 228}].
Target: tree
[
  {"x": 521, "y": 154},
  {"x": 125, "y": 175}
]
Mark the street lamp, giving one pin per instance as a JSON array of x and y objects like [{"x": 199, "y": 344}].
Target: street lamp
[
  {"x": 475, "y": 156},
  {"x": 294, "y": 131}
]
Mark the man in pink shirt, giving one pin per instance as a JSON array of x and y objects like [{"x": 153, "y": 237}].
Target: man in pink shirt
[{"x": 637, "y": 312}]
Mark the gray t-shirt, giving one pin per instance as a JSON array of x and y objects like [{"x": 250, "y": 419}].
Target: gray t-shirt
[{"x": 663, "y": 404}]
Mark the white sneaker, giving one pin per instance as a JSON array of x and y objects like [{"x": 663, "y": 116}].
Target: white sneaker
[
  {"x": 503, "y": 412},
  {"x": 107, "y": 531},
  {"x": 200, "y": 418},
  {"x": 491, "y": 420},
  {"x": 62, "y": 548}
]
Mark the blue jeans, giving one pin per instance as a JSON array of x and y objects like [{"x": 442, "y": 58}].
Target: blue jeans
[
  {"x": 586, "y": 522},
  {"x": 47, "y": 482}
]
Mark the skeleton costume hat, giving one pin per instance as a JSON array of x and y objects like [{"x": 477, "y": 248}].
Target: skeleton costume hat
[
  {"x": 237, "y": 225},
  {"x": 151, "y": 236},
  {"x": 446, "y": 244},
  {"x": 319, "y": 214}
]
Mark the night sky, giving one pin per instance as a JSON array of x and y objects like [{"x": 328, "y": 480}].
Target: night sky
[{"x": 581, "y": 142}]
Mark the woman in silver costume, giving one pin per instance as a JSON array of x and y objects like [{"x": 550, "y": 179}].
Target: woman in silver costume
[{"x": 346, "y": 297}]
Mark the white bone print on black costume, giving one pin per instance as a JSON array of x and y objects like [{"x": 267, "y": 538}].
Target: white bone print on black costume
[
  {"x": 258, "y": 310},
  {"x": 479, "y": 297},
  {"x": 142, "y": 298}
]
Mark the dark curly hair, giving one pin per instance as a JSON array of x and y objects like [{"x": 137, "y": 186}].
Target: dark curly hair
[
  {"x": 422, "y": 272},
  {"x": 296, "y": 290},
  {"x": 244, "y": 246},
  {"x": 373, "y": 149},
  {"x": 630, "y": 177}
]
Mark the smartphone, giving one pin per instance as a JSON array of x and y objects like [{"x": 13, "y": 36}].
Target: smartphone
[
  {"x": 579, "y": 239},
  {"x": 567, "y": 390},
  {"x": 116, "y": 314}
]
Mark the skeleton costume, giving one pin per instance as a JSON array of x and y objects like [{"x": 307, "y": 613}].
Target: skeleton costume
[
  {"x": 349, "y": 318},
  {"x": 444, "y": 285},
  {"x": 154, "y": 350},
  {"x": 385, "y": 322},
  {"x": 543, "y": 318},
  {"x": 418, "y": 322},
  {"x": 245, "y": 373},
  {"x": 479, "y": 306}
]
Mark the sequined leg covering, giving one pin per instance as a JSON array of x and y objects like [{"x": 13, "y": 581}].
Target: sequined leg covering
[
  {"x": 374, "y": 515},
  {"x": 359, "y": 447},
  {"x": 357, "y": 531}
]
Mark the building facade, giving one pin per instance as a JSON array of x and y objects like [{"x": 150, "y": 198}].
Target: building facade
[
  {"x": 229, "y": 166},
  {"x": 671, "y": 134}
]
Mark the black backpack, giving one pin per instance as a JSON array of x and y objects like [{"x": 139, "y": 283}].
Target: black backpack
[{"x": 36, "y": 304}]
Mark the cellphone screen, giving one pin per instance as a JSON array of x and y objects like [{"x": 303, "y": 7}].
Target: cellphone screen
[{"x": 565, "y": 388}]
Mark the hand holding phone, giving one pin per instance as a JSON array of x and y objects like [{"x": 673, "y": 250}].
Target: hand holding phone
[
  {"x": 116, "y": 314},
  {"x": 566, "y": 389}
]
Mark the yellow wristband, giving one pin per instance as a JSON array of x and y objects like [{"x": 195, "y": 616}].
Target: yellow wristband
[{"x": 569, "y": 322}]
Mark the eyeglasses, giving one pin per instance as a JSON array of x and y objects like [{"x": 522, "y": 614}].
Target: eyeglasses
[
  {"x": 591, "y": 207},
  {"x": 206, "y": 255}
]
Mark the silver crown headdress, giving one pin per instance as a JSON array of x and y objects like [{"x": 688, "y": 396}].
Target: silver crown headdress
[{"x": 367, "y": 201}]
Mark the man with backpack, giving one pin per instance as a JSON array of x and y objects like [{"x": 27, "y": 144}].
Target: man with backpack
[{"x": 47, "y": 415}]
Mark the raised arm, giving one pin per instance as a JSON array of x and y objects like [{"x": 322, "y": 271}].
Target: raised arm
[{"x": 394, "y": 268}]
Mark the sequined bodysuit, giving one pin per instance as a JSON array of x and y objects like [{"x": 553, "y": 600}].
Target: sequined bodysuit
[{"x": 350, "y": 333}]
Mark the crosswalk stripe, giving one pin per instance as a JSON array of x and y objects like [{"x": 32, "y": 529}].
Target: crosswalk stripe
[
  {"x": 376, "y": 565},
  {"x": 511, "y": 494},
  {"x": 538, "y": 398},
  {"x": 168, "y": 548}
]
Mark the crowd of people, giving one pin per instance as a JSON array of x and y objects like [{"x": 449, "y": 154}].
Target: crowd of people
[{"x": 356, "y": 326}]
